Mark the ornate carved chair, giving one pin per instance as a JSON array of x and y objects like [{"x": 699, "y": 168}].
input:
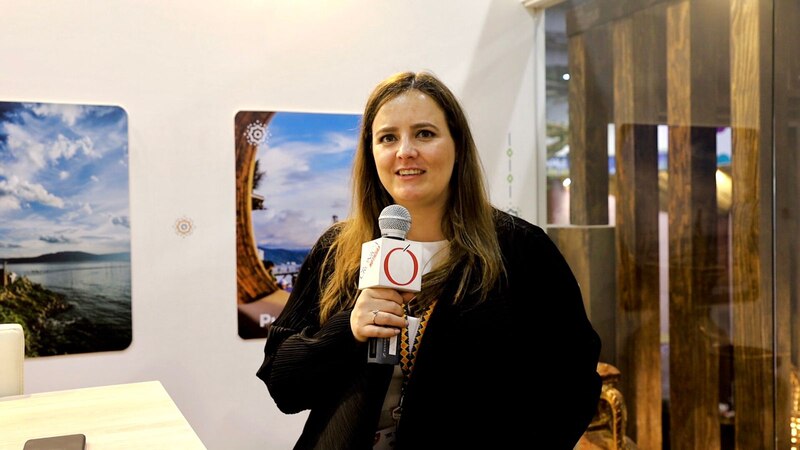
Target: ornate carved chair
[{"x": 607, "y": 429}]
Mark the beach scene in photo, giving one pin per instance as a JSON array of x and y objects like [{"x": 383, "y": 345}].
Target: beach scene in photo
[{"x": 65, "y": 271}]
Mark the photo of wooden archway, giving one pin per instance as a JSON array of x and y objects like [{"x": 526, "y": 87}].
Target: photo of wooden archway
[
  {"x": 258, "y": 295},
  {"x": 292, "y": 173}
]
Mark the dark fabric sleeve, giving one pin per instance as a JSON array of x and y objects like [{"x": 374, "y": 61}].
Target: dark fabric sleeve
[
  {"x": 564, "y": 346},
  {"x": 307, "y": 364}
]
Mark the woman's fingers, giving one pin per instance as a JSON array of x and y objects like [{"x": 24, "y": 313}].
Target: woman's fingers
[
  {"x": 380, "y": 331},
  {"x": 377, "y": 313},
  {"x": 387, "y": 319},
  {"x": 408, "y": 296}
]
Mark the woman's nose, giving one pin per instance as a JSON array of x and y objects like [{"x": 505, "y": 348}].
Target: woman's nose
[{"x": 406, "y": 149}]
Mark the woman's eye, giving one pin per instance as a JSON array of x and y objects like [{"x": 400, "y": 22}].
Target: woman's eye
[
  {"x": 425, "y": 133},
  {"x": 386, "y": 138}
]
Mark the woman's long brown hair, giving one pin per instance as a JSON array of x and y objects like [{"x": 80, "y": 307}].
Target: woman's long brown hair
[{"x": 468, "y": 222}]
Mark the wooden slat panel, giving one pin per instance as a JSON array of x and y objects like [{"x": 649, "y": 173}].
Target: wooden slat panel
[
  {"x": 787, "y": 204},
  {"x": 589, "y": 99},
  {"x": 594, "y": 13},
  {"x": 577, "y": 128},
  {"x": 751, "y": 31},
  {"x": 693, "y": 266},
  {"x": 252, "y": 279},
  {"x": 650, "y": 69},
  {"x": 589, "y": 251},
  {"x": 637, "y": 243},
  {"x": 710, "y": 52},
  {"x": 693, "y": 342}
]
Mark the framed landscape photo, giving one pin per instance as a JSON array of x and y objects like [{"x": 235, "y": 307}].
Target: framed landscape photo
[{"x": 65, "y": 272}]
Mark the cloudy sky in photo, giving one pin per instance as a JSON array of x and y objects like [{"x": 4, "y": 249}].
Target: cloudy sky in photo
[
  {"x": 306, "y": 161},
  {"x": 63, "y": 179}
]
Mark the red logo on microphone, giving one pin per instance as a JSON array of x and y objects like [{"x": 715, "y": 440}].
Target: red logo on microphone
[{"x": 389, "y": 273}]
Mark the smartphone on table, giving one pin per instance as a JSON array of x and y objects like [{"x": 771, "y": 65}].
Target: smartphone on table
[{"x": 66, "y": 442}]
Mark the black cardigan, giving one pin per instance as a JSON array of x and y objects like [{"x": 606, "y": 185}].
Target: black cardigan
[{"x": 468, "y": 389}]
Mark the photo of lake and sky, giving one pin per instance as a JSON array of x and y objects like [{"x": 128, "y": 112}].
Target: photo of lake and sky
[{"x": 64, "y": 226}]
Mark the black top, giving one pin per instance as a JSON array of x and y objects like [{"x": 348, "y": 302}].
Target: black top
[{"x": 467, "y": 389}]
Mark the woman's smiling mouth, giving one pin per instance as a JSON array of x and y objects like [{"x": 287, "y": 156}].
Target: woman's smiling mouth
[{"x": 406, "y": 172}]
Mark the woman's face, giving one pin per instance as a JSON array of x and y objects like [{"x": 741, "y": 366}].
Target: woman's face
[{"x": 413, "y": 150}]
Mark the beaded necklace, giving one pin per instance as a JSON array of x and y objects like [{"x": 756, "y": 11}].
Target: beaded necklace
[{"x": 408, "y": 354}]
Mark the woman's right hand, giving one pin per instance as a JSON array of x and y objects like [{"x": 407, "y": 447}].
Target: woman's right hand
[{"x": 378, "y": 313}]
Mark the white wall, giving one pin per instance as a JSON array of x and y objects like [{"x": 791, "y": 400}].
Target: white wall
[{"x": 181, "y": 70}]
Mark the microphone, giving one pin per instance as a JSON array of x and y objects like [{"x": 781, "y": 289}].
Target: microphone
[
  {"x": 390, "y": 262},
  {"x": 394, "y": 222}
]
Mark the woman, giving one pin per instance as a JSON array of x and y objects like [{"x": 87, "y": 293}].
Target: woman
[{"x": 498, "y": 296}]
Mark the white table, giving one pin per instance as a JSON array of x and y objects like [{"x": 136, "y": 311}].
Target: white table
[{"x": 126, "y": 416}]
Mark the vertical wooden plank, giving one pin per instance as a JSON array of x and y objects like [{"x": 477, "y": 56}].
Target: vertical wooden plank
[
  {"x": 694, "y": 343},
  {"x": 589, "y": 251},
  {"x": 753, "y": 325},
  {"x": 637, "y": 236},
  {"x": 594, "y": 13},
  {"x": 589, "y": 92},
  {"x": 577, "y": 129},
  {"x": 787, "y": 217}
]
